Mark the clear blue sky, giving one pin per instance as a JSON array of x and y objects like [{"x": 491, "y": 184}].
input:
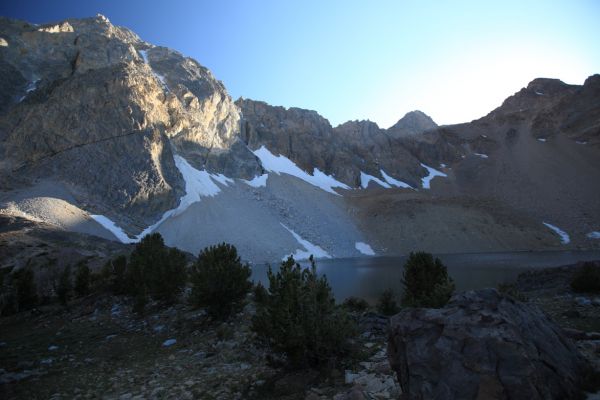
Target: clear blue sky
[{"x": 372, "y": 60}]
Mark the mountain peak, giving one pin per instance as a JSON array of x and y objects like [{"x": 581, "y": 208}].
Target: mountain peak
[
  {"x": 547, "y": 85},
  {"x": 413, "y": 123}
]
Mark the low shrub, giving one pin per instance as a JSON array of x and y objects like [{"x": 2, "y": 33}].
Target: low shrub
[
  {"x": 113, "y": 276},
  {"x": 386, "y": 304},
  {"x": 220, "y": 282},
  {"x": 587, "y": 278},
  {"x": 155, "y": 270},
  {"x": 355, "y": 304},
  {"x": 509, "y": 289},
  {"x": 299, "y": 318},
  {"x": 25, "y": 290},
  {"x": 260, "y": 294},
  {"x": 426, "y": 282},
  {"x": 82, "y": 280},
  {"x": 64, "y": 286}
]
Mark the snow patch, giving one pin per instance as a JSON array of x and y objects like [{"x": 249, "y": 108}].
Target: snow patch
[
  {"x": 481, "y": 155},
  {"x": 432, "y": 174},
  {"x": 309, "y": 248},
  {"x": 257, "y": 181},
  {"x": 281, "y": 164},
  {"x": 161, "y": 78},
  {"x": 541, "y": 139},
  {"x": 442, "y": 165},
  {"x": 113, "y": 228},
  {"x": 539, "y": 93},
  {"x": 594, "y": 235},
  {"x": 564, "y": 236},
  {"x": 198, "y": 184},
  {"x": 580, "y": 142},
  {"x": 31, "y": 86},
  {"x": 394, "y": 182},
  {"x": 364, "y": 248},
  {"x": 366, "y": 178},
  {"x": 144, "y": 54}
]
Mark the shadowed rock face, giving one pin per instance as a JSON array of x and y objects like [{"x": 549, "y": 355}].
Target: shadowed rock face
[
  {"x": 94, "y": 106},
  {"x": 311, "y": 142},
  {"x": 482, "y": 345}
]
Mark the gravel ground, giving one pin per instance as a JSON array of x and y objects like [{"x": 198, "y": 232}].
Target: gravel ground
[{"x": 251, "y": 218}]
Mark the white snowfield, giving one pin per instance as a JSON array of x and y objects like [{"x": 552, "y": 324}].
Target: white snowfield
[
  {"x": 31, "y": 86},
  {"x": 257, "y": 181},
  {"x": 564, "y": 236},
  {"x": 394, "y": 182},
  {"x": 541, "y": 140},
  {"x": 198, "y": 184},
  {"x": 309, "y": 248},
  {"x": 594, "y": 235},
  {"x": 113, "y": 228},
  {"x": 426, "y": 181},
  {"x": 366, "y": 178},
  {"x": 283, "y": 165},
  {"x": 364, "y": 248},
  {"x": 481, "y": 155}
]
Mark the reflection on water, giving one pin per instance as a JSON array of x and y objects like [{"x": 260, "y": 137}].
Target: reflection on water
[{"x": 368, "y": 277}]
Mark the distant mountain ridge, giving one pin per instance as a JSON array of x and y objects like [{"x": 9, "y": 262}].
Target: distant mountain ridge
[{"x": 137, "y": 134}]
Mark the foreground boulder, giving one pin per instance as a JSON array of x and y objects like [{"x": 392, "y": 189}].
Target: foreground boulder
[{"x": 482, "y": 345}]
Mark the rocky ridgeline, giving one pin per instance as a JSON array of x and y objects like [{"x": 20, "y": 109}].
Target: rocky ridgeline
[
  {"x": 345, "y": 151},
  {"x": 96, "y": 109}
]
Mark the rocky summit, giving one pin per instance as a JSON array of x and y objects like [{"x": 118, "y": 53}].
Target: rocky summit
[{"x": 104, "y": 133}]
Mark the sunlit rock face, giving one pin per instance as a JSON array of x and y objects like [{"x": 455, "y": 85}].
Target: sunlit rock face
[{"x": 92, "y": 105}]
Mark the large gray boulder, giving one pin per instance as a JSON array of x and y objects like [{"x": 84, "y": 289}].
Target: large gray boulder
[{"x": 482, "y": 345}]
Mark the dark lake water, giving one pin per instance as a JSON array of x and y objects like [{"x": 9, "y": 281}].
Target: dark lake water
[{"x": 367, "y": 277}]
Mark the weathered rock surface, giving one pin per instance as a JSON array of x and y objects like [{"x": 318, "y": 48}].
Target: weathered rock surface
[
  {"x": 482, "y": 345},
  {"x": 413, "y": 123},
  {"x": 93, "y": 106},
  {"x": 310, "y": 141}
]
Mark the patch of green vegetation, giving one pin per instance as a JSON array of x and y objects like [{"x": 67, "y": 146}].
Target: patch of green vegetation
[
  {"x": 83, "y": 277},
  {"x": 65, "y": 286},
  {"x": 426, "y": 282},
  {"x": 355, "y": 304},
  {"x": 587, "y": 278},
  {"x": 220, "y": 282},
  {"x": 18, "y": 291},
  {"x": 301, "y": 320},
  {"x": 386, "y": 304},
  {"x": 510, "y": 290}
]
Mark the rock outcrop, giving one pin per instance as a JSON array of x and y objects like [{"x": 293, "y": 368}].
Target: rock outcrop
[
  {"x": 345, "y": 151},
  {"x": 95, "y": 107},
  {"x": 413, "y": 123},
  {"x": 482, "y": 345}
]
